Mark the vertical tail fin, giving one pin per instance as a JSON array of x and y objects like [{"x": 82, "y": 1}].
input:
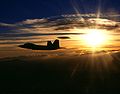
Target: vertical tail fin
[
  {"x": 56, "y": 44},
  {"x": 49, "y": 45}
]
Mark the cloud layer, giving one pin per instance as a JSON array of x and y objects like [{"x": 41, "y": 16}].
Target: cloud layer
[{"x": 62, "y": 23}]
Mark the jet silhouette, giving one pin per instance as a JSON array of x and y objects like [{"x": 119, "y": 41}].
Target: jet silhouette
[{"x": 50, "y": 46}]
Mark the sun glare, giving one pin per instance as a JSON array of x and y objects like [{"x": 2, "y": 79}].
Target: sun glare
[{"x": 95, "y": 38}]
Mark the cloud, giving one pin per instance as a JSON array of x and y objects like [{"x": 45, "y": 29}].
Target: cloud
[
  {"x": 7, "y": 25},
  {"x": 59, "y": 24},
  {"x": 64, "y": 37},
  {"x": 37, "y": 34},
  {"x": 33, "y": 21}
]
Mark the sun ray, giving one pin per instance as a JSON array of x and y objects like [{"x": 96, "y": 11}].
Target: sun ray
[{"x": 99, "y": 9}]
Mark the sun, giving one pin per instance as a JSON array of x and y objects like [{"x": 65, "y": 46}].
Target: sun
[{"x": 95, "y": 38}]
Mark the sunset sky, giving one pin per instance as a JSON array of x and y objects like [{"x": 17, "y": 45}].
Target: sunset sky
[
  {"x": 18, "y": 10},
  {"x": 81, "y": 21},
  {"x": 60, "y": 46}
]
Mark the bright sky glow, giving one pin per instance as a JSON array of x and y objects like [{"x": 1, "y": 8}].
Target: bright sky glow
[{"x": 95, "y": 38}]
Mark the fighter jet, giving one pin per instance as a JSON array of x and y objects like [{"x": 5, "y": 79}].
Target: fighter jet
[{"x": 50, "y": 46}]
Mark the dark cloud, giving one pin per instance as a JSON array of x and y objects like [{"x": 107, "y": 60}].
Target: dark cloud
[
  {"x": 37, "y": 34},
  {"x": 63, "y": 37},
  {"x": 61, "y": 72}
]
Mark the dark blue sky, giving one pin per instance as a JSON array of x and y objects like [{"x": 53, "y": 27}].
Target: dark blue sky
[{"x": 17, "y": 10}]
